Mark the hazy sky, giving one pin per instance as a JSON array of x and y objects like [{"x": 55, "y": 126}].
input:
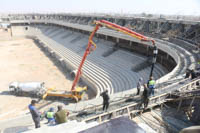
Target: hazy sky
[{"x": 184, "y": 7}]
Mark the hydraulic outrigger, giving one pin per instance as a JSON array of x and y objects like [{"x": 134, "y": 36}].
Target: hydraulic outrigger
[{"x": 78, "y": 93}]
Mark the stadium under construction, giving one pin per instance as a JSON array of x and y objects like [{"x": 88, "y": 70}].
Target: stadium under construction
[{"x": 126, "y": 49}]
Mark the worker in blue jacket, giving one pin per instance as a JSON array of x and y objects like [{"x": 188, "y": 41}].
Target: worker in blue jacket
[{"x": 35, "y": 113}]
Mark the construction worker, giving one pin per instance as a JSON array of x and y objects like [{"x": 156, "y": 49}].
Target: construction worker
[
  {"x": 198, "y": 65},
  {"x": 139, "y": 85},
  {"x": 105, "y": 100},
  {"x": 193, "y": 74},
  {"x": 61, "y": 115},
  {"x": 145, "y": 98},
  {"x": 35, "y": 113},
  {"x": 50, "y": 116},
  {"x": 151, "y": 86},
  {"x": 188, "y": 73}
]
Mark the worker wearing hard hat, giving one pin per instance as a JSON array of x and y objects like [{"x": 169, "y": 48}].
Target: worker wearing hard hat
[
  {"x": 151, "y": 85},
  {"x": 50, "y": 116}
]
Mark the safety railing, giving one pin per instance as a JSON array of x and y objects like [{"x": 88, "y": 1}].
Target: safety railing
[{"x": 135, "y": 108}]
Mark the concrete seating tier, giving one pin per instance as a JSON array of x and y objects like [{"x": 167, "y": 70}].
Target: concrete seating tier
[{"x": 112, "y": 72}]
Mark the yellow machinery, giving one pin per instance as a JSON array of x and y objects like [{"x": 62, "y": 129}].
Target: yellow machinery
[{"x": 79, "y": 93}]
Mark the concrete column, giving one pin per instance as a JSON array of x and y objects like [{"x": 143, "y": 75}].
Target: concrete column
[
  {"x": 106, "y": 38},
  {"x": 161, "y": 60},
  {"x": 167, "y": 56},
  {"x": 146, "y": 26},
  {"x": 115, "y": 21},
  {"x": 117, "y": 40},
  {"x": 11, "y": 34},
  {"x": 130, "y": 43},
  {"x": 158, "y": 26},
  {"x": 147, "y": 50}
]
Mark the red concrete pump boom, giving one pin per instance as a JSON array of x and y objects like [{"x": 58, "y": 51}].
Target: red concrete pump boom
[{"x": 91, "y": 43}]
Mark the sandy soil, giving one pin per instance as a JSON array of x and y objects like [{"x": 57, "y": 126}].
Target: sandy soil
[{"x": 22, "y": 60}]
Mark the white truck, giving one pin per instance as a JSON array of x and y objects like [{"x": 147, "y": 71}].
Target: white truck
[{"x": 27, "y": 88}]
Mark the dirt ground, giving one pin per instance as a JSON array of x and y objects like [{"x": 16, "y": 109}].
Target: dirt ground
[{"x": 22, "y": 60}]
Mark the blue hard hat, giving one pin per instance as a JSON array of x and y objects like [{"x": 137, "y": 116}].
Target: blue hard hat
[{"x": 51, "y": 109}]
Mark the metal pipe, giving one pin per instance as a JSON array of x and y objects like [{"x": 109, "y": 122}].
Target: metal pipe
[{"x": 87, "y": 51}]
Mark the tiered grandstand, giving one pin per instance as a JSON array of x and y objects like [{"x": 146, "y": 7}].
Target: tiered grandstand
[
  {"x": 119, "y": 60},
  {"x": 100, "y": 72}
]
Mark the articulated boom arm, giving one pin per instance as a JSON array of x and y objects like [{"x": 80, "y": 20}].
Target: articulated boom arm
[
  {"x": 124, "y": 30},
  {"x": 91, "y": 43}
]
